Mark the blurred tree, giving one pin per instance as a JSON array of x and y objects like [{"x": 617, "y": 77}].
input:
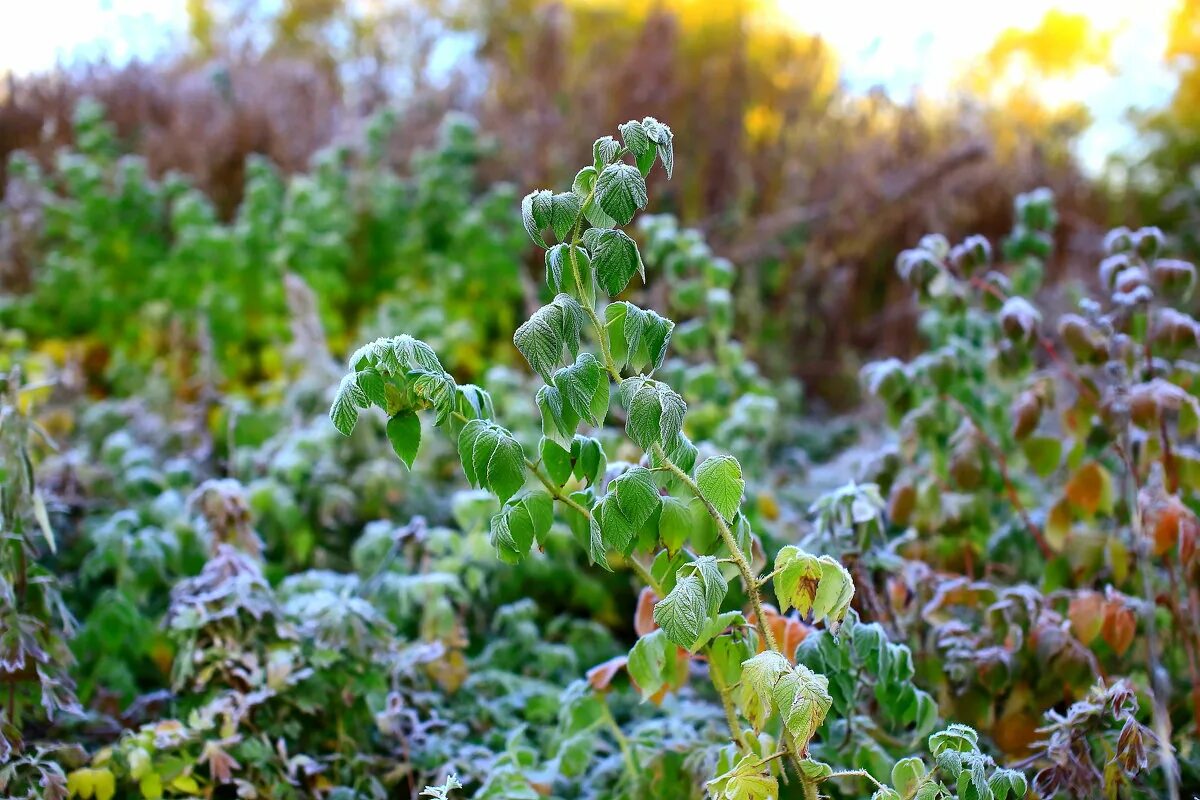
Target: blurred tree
[{"x": 1024, "y": 80}]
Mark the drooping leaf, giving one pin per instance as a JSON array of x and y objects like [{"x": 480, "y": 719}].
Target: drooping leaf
[
  {"x": 521, "y": 521},
  {"x": 756, "y": 691},
  {"x": 584, "y": 388},
  {"x": 797, "y": 575},
  {"x": 802, "y": 698},
  {"x": 663, "y": 139},
  {"x": 655, "y": 411},
  {"x": 536, "y": 210},
  {"x": 556, "y": 460},
  {"x": 639, "y": 337},
  {"x": 564, "y": 213},
  {"x": 404, "y": 432},
  {"x": 346, "y": 403},
  {"x": 552, "y": 329},
  {"x": 574, "y": 277}
]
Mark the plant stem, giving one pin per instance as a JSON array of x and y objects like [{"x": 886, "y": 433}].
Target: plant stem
[{"x": 627, "y": 754}]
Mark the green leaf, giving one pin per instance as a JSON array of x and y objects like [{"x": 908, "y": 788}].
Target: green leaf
[
  {"x": 597, "y": 550},
  {"x": 721, "y": 483},
  {"x": 604, "y": 151},
  {"x": 585, "y": 182},
  {"x": 492, "y": 458},
  {"x": 506, "y": 467},
  {"x": 552, "y": 329},
  {"x": 404, "y": 432},
  {"x": 556, "y": 460},
  {"x": 655, "y": 412},
  {"x": 436, "y": 390},
  {"x": 726, "y": 655},
  {"x": 519, "y": 523},
  {"x": 681, "y": 614},
  {"x": 674, "y": 523},
  {"x": 372, "y": 385},
  {"x": 715, "y": 586},
  {"x": 635, "y": 138},
  {"x": 621, "y": 191},
  {"x": 802, "y": 699},
  {"x": 756, "y": 691},
  {"x": 561, "y": 273},
  {"x": 1044, "y": 454},
  {"x": 588, "y": 459},
  {"x": 584, "y": 388},
  {"x": 797, "y": 576},
  {"x": 713, "y": 626},
  {"x": 748, "y": 780},
  {"x": 955, "y": 738},
  {"x": 559, "y": 420},
  {"x": 834, "y": 593},
  {"x": 536, "y": 210},
  {"x": 647, "y": 663},
  {"x": 663, "y": 139},
  {"x": 636, "y": 495},
  {"x": 638, "y": 337},
  {"x": 615, "y": 257},
  {"x": 349, "y": 398},
  {"x": 631, "y": 501},
  {"x": 907, "y": 774},
  {"x": 564, "y": 212}
]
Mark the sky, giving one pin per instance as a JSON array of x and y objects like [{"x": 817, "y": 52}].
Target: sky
[{"x": 901, "y": 46}]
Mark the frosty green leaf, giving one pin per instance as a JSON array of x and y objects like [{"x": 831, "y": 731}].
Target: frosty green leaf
[
  {"x": 346, "y": 403},
  {"x": 552, "y": 329},
  {"x": 721, "y": 483},
  {"x": 536, "y": 210},
  {"x": 681, "y": 614},
  {"x": 615, "y": 258},
  {"x": 655, "y": 411},
  {"x": 620, "y": 192}
]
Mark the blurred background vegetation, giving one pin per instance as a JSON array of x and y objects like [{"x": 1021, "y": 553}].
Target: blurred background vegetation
[{"x": 808, "y": 183}]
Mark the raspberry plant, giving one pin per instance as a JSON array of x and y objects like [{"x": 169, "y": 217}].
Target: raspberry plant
[{"x": 673, "y": 515}]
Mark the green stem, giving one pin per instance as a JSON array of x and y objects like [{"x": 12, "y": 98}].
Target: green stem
[{"x": 627, "y": 754}]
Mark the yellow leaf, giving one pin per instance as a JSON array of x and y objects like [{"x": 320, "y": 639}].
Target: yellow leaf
[
  {"x": 151, "y": 786},
  {"x": 1090, "y": 489},
  {"x": 1058, "y": 525},
  {"x": 81, "y": 783},
  {"x": 105, "y": 784},
  {"x": 186, "y": 784}
]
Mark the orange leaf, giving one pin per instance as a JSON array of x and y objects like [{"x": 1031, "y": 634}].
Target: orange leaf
[
  {"x": 601, "y": 675},
  {"x": 1086, "y": 613},
  {"x": 643, "y": 616},
  {"x": 1120, "y": 625},
  {"x": 1090, "y": 488}
]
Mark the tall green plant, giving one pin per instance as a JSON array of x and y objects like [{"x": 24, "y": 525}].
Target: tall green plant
[{"x": 672, "y": 517}]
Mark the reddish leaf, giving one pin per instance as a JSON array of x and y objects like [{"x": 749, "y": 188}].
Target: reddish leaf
[
  {"x": 601, "y": 675},
  {"x": 643, "y": 617}
]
